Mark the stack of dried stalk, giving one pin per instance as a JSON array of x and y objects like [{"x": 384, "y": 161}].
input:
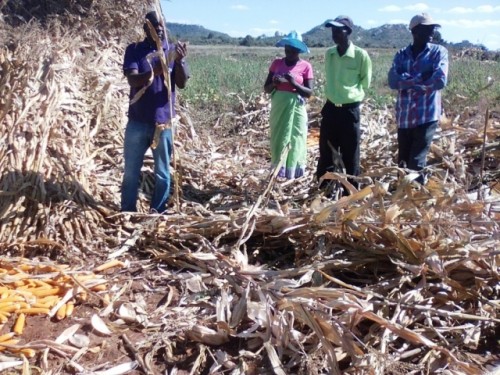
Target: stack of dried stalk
[
  {"x": 62, "y": 104},
  {"x": 380, "y": 282}
]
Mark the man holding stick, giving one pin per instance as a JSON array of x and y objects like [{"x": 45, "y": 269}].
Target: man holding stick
[{"x": 151, "y": 110}]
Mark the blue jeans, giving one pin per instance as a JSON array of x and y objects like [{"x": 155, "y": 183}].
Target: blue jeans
[
  {"x": 414, "y": 145},
  {"x": 138, "y": 137}
]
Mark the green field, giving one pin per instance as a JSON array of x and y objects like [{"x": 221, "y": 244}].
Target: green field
[{"x": 222, "y": 74}]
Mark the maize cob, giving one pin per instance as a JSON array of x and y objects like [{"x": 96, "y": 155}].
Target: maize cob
[
  {"x": 7, "y": 336},
  {"x": 69, "y": 308},
  {"x": 61, "y": 313},
  {"x": 108, "y": 265},
  {"x": 20, "y": 322},
  {"x": 34, "y": 310}
]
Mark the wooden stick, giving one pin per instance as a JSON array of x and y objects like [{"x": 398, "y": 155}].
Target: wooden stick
[
  {"x": 251, "y": 213},
  {"x": 165, "y": 63},
  {"x": 483, "y": 156},
  {"x": 135, "y": 353},
  {"x": 174, "y": 153}
]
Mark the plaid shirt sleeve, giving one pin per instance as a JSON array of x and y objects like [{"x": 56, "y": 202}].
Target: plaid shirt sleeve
[
  {"x": 439, "y": 77},
  {"x": 406, "y": 74},
  {"x": 419, "y": 81}
]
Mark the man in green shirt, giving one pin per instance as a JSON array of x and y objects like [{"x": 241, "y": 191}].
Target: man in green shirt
[{"x": 348, "y": 74}]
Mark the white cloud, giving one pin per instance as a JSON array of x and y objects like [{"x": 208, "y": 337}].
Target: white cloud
[
  {"x": 239, "y": 7},
  {"x": 419, "y": 7},
  {"x": 479, "y": 9},
  {"x": 471, "y": 24},
  {"x": 372, "y": 23},
  {"x": 274, "y": 22},
  {"x": 390, "y": 8},
  {"x": 487, "y": 9},
  {"x": 461, "y": 10}
]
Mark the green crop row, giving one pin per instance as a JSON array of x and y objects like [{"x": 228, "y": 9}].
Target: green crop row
[{"x": 222, "y": 76}]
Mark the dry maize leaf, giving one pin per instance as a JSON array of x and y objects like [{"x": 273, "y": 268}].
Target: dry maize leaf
[
  {"x": 27, "y": 353},
  {"x": 354, "y": 213},
  {"x": 363, "y": 193},
  {"x": 274, "y": 359},
  {"x": 402, "y": 332},
  {"x": 319, "y": 292},
  {"x": 79, "y": 340},
  {"x": 307, "y": 317},
  {"x": 316, "y": 205},
  {"x": 99, "y": 325},
  {"x": 324, "y": 214},
  {"x": 392, "y": 213},
  {"x": 416, "y": 245},
  {"x": 257, "y": 312},
  {"x": 400, "y": 243},
  {"x": 225, "y": 360},
  {"x": 195, "y": 284},
  {"x": 67, "y": 333},
  {"x": 240, "y": 309},
  {"x": 207, "y": 336},
  {"x": 124, "y": 368},
  {"x": 330, "y": 333},
  {"x": 10, "y": 364},
  {"x": 127, "y": 312}
]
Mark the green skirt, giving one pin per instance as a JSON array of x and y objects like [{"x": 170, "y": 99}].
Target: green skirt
[{"x": 288, "y": 125}]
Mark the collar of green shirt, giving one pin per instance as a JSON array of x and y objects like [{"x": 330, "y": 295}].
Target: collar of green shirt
[{"x": 348, "y": 53}]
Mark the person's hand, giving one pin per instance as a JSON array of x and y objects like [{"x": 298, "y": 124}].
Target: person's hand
[
  {"x": 426, "y": 76},
  {"x": 277, "y": 79},
  {"x": 290, "y": 78},
  {"x": 422, "y": 89},
  {"x": 181, "y": 51}
]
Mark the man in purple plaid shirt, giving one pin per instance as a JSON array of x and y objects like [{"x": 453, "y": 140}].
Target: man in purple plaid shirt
[{"x": 418, "y": 72}]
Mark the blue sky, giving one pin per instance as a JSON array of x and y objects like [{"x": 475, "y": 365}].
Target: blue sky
[{"x": 475, "y": 21}]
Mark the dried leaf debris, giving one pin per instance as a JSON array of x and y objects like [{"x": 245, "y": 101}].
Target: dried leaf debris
[{"x": 257, "y": 275}]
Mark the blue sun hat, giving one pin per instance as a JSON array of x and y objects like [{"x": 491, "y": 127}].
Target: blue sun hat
[{"x": 293, "y": 40}]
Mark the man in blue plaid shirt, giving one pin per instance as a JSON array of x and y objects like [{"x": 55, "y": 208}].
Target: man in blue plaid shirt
[{"x": 419, "y": 72}]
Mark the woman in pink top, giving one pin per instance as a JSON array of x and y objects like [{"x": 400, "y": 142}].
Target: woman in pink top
[{"x": 290, "y": 82}]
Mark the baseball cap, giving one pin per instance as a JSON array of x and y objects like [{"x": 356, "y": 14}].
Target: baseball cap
[
  {"x": 340, "y": 21},
  {"x": 422, "y": 19},
  {"x": 152, "y": 16}
]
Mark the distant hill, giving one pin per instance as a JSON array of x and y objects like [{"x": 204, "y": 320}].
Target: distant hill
[
  {"x": 198, "y": 34},
  {"x": 385, "y": 36}
]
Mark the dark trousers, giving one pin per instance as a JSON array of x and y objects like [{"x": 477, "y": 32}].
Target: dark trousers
[
  {"x": 414, "y": 144},
  {"x": 340, "y": 127}
]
